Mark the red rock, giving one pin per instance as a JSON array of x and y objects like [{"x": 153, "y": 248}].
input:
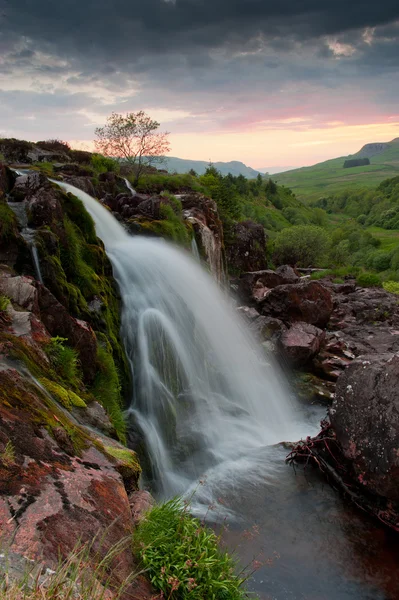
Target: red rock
[
  {"x": 300, "y": 343},
  {"x": 309, "y": 302},
  {"x": 140, "y": 502},
  {"x": 365, "y": 417}
]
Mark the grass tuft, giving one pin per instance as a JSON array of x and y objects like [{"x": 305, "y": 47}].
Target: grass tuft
[{"x": 183, "y": 558}]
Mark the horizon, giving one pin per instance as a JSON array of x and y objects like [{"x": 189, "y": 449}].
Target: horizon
[{"x": 264, "y": 84}]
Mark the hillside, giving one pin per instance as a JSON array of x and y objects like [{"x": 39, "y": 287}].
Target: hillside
[
  {"x": 330, "y": 177},
  {"x": 235, "y": 167}
]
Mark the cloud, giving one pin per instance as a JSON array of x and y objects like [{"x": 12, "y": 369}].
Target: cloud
[{"x": 209, "y": 67}]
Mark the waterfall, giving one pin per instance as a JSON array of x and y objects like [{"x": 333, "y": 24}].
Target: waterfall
[
  {"x": 205, "y": 396},
  {"x": 130, "y": 187},
  {"x": 19, "y": 209},
  {"x": 211, "y": 244},
  {"x": 194, "y": 250}
]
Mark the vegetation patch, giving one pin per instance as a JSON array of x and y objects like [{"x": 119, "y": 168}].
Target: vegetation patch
[
  {"x": 107, "y": 390},
  {"x": 183, "y": 558},
  {"x": 67, "y": 398},
  {"x": 391, "y": 286},
  {"x": 368, "y": 280}
]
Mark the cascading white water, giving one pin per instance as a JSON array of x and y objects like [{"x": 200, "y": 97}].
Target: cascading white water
[
  {"x": 205, "y": 398},
  {"x": 130, "y": 187}
]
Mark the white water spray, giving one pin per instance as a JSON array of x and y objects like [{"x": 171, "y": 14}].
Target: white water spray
[
  {"x": 205, "y": 397},
  {"x": 130, "y": 187}
]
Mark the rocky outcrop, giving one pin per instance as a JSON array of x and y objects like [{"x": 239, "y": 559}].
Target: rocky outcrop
[
  {"x": 202, "y": 213},
  {"x": 300, "y": 343},
  {"x": 59, "y": 483},
  {"x": 309, "y": 302},
  {"x": 365, "y": 417},
  {"x": 254, "y": 286},
  {"x": 246, "y": 247}
]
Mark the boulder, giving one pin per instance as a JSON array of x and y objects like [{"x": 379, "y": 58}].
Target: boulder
[
  {"x": 267, "y": 328},
  {"x": 246, "y": 247},
  {"x": 255, "y": 285},
  {"x": 309, "y": 302},
  {"x": 44, "y": 207},
  {"x": 27, "y": 185},
  {"x": 288, "y": 274},
  {"x": 365, "y": 417},
  {"x": 300, "y": 343},
  {"x": 140, "y": 502}
]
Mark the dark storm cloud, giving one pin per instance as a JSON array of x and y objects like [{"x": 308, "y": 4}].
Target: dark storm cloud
[{"x": 122, "y": 31}]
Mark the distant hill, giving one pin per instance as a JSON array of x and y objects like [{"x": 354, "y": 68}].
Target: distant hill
[
  {"x": 181, "y": 165},
  {"x": 329, "y": 177},
  {"x": 272, "y": 170}
]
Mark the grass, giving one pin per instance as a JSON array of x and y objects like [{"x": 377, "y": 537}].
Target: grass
[
  {"x": 7, "y": 457},
  {"x": 65, "y": 361},
  {"x": 329, "y": 177},
  {"x": 73, "y": 578},
  {"x": 4, "y": 303},
  {"x": 183, "y": 558}
]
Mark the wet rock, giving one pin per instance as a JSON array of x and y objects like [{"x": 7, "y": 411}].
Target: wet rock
[
  {"x": 365, "y": 417},
  {"x": 248, "y": 312},
  {"x": 246, "y": 247},
  {"x": 267, "y": 328},
  {"x": 7, "y": 180},
  {"x": 300, "y": 343},
  {"x": 44, "y": 207},
  {"x": 95, "y": 416},
  {"x": 140, "y": 502},
  {"x": 27, "y": 185},
  {"x": 83, "y": 183},
  {"x": 309, "y": 302}
]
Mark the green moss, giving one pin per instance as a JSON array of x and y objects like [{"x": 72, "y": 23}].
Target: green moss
[
  {"x": 4, "y": 303},
  {"x": 67, "y": 398},
  {"x": 44, "y": 167},
  {"x": 125, "y": 456},
  {"x": 107, "y": 390},
  {"x": 8, "y": 222}
]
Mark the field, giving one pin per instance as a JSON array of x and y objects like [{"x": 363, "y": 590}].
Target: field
[{"x": 329, "y": 177}]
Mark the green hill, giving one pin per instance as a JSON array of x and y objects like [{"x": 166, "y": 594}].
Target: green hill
[{"x": 330, "y": 177}]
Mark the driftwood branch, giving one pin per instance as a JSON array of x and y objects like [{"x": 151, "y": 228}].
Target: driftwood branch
[{"x": 324, "y": 453}]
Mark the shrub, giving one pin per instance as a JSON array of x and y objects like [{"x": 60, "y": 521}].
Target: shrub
[
  {"x": 103, "y": 164},
  {"x": 391, "y": 286},
  {"x": 4, "y": 303},
  {"x": 64, "y": 360},
  {"x": 55, "y": 146},
  {"x": 303, "y": 245},
  {"x": 183, "y": 558},
  {"x": 368, "y": 280}
]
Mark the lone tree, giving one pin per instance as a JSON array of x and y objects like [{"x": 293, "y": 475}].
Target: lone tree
[{"x": 134, "y": 138}]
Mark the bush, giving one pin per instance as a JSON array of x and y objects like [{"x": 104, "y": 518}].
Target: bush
[
  {"x": 302, "y": 245},
  {"x": 103, "y": 164},
  {"x": 183, "y": 558},
  {"x": 391, "y": 286},
  {"x": 368, "y": 280}
]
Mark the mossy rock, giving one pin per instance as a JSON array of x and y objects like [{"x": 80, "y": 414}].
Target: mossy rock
[{"x": 67, "y": 398}]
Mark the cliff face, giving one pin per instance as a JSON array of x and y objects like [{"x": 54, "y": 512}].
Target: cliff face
[{"x": 65, "y": 476}]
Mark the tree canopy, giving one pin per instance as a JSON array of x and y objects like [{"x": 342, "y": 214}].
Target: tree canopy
[{"x": 134, "y": 139}]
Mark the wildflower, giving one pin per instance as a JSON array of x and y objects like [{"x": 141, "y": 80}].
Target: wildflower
[
  {"x": 174, "y": 583},
  {"x": 191, "y": 583},
  {"x": 189, "y": 563},
  {"x": 163, "y": 570}
]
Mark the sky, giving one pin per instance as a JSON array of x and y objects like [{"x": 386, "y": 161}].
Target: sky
[{"x": 269, "y": 83}]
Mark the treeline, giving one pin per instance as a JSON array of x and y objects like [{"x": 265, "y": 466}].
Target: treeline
[{"x": 379, "y": 207}]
